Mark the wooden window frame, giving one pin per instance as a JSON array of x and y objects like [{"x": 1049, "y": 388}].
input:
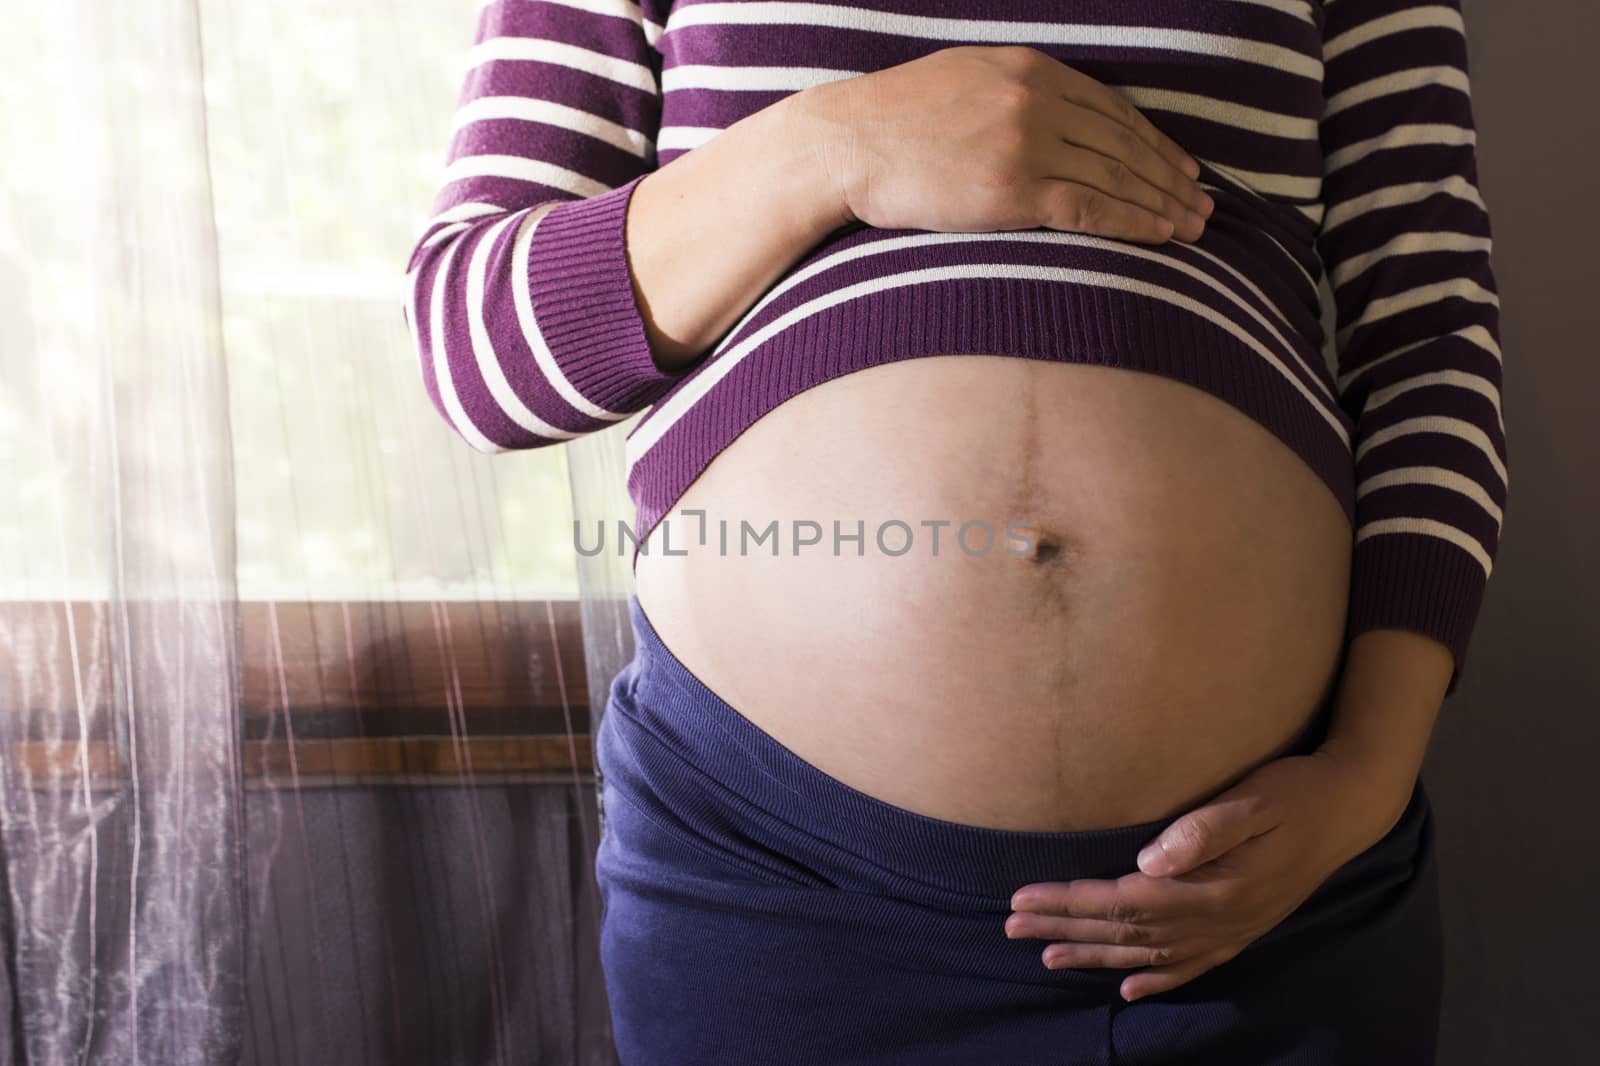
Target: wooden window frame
[{"x": 339, "y": 692}]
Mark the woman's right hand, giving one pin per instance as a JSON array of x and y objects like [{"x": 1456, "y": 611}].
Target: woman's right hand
[{"x": 978, "y": 138}]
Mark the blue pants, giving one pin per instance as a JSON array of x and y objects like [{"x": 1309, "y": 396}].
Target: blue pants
[{"x": 758, "y": 912}]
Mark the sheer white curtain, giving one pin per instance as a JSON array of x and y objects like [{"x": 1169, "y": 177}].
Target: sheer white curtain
[
  {"x": 291, "y": 725},
  {"x": 597, "y": 466}
]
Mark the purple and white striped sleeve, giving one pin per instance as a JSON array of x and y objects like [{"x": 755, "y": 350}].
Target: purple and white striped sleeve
[
  {"x": 1405, "y": 239},
  {"x": 518, "y": 296}
]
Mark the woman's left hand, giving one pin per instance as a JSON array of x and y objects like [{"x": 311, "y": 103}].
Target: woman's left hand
[{"x": 1216, "y": 878}]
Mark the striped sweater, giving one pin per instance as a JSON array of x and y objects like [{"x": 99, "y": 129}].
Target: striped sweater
[{"x": 1336, "y": 137}]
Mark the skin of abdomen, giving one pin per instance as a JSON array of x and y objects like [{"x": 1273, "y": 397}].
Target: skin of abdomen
[{"x": 1166, "y": 615}]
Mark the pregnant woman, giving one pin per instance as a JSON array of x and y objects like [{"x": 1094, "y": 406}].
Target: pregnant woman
[{"x": 1037, "y": 641}]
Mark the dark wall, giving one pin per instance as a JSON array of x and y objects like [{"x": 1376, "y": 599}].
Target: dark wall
[{"x": 1514, "y": 767}]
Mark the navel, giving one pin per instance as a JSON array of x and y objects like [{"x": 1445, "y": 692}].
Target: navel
[{"x": 1045, "y": 551}]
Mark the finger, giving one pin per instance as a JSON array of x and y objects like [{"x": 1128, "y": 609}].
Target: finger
[
  {"x": 1133, "y": 899},
  {"x": 1088, "y": 128},
  {"x": 1207, "y": 832},
  {"x": 1081, "y": 89},
  {"x": 1116, "y": 178},
  {"x": 1058, "y": 929},
  {"x": 1066, "y": 205},
  {"x": 1086, "y": 956},
  {"x": 1156, "y": 979}
]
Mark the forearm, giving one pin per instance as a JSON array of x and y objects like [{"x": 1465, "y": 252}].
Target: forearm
[
  {"x": 1388, "y": 700},
  {"x": 710, "y": 231}
]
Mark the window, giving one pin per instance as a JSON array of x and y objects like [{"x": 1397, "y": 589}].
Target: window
[{"x": 390, "y": 578}]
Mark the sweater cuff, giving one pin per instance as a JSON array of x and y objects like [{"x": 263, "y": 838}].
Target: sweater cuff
[
  {"x": 585, "y": 305},
  {"x": 1418, "y": 583}
]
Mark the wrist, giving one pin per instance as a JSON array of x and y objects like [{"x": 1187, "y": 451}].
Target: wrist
[
  {"x": 1374, "y": 786},
  {"x": 820, "y": 117},
  {"x": 1388, "y": 699}
]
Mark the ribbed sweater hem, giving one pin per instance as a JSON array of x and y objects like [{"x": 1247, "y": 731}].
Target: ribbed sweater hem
[{"x": 989, "y": 316}]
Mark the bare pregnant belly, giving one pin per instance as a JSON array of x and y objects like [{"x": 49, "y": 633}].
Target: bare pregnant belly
[{"x": 1148, "y": 599}]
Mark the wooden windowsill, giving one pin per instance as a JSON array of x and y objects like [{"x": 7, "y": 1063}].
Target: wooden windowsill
[{"x": 328, "y": 693}]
